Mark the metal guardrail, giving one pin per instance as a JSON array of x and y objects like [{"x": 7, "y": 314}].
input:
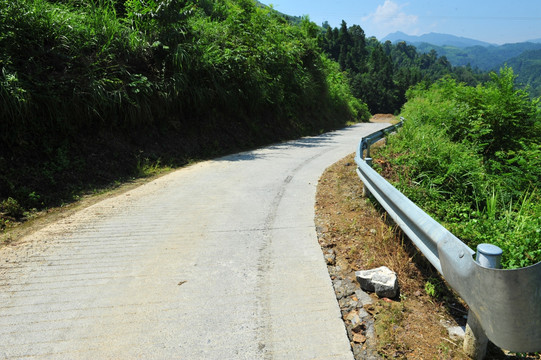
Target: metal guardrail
[
  {"x": 506, "y": 303},
  {"x": 367, "y": 141}
]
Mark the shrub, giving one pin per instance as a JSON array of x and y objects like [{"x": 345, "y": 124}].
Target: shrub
[{"x": 11, "y": 207}]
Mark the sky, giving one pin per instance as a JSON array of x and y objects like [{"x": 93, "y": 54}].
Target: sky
[{"x": 494, "y": 21}]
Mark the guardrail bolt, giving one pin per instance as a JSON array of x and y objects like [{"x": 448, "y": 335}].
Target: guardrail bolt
[{"x": 475, "y": 340}]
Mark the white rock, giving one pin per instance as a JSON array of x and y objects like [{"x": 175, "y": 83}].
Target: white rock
[{"x": 382, "y": 281}]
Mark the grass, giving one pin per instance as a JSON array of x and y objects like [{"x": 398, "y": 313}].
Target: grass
[
  {"x": 148, "y": 168},
  {"x": 389, "y": 319}
]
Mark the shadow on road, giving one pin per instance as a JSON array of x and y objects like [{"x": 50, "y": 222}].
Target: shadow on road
[{"x": 273, "y": 150}]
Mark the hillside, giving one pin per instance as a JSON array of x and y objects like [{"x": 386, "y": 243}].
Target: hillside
[
  {"x": 528, "y": 67},
  {"x": 381, "y": 73},
  {"x": 95, "y": 92},
  {"x": 484, "y": 58},
  {"x": 461, "y": 51}
]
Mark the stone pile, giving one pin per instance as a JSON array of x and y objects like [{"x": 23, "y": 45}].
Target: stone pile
[{"x": 352, "y": 301}]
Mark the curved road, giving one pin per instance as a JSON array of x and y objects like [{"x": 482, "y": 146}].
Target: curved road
[{"x": 218, "y": 260}]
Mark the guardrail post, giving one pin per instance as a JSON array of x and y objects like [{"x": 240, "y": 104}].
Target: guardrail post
[
  {"x": 475, "y": 339},
  {"x": 368, "y": 161}
]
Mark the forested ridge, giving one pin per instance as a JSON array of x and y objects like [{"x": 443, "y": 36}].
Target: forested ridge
[
  {"x": 528, "y": 68},
  {"x": 522, "y": 57},
  {"x": 381, "y": 73}
]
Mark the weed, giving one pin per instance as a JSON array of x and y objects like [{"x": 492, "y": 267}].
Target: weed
[
  {"x": 147, "y": 168},
  {"x": 434, "y": 287},
  {"x": 11, "y": 207},
  {"x": 444, "y": 350},
  {"x": 388, "y": 323}
]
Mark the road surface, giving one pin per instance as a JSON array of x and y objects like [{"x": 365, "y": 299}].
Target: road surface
[{"x": 218, "y": 260}]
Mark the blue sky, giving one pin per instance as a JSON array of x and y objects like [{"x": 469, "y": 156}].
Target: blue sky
[{"x": 495, "y": 21}]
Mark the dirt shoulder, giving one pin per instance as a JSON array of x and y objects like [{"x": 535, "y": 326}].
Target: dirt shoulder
[{"x": 409, "y": 326}]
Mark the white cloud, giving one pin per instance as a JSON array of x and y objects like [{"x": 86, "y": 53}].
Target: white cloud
[{"x": 389, "y": 17}]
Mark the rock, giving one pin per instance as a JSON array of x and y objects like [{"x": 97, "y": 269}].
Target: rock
[
  {"x": 353, "y": 318},
  {"x": 333, "y": 271},
  {"x": 357, "y": 350},
  {"x": 359, "y": 328},
  {"x": 382, "y": 281},
  {"x": 349, "y": 287},
  {"x": 455, "y": 332},
  {"x": 356, "y": 320},
  {"x": 359, "y": 338},
  {"x": 347, "y": 304},
  {"x": 330, "y": 258},
  {"x": 363, "y": 313},
  {"x": 343, "y": 288},
  {"x": 364, "y": 298}
]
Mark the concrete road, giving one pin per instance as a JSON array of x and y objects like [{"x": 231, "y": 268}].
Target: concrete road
[{"x": 218, "y": 260}]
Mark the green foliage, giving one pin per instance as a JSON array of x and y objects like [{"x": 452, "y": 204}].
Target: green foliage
[
  {"x": 196, "y": 76},
  {"x": 514, "y": 227},
  {"x": 493, "y": 118},
  {"x": 12, "y": 208},
  {"x": 471, "y": 157},
  {"x": 434, "y": 287},
  {"x": 340, "y": 92}
]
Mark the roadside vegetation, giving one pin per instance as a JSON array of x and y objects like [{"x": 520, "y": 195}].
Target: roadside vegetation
[
  {"x": 471, "y": 158},
  {"x": 94, "y": 92},
  {"x": 416, "y": 324}
]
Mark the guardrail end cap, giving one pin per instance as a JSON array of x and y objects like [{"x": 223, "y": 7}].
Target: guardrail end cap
[{"x": 489, "y": 249}]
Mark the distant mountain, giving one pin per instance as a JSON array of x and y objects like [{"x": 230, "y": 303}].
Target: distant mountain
[
  {"x": 528, "y": 68},
  {"x": 435, "y": 39},
  {"x": 537, "y": 41},
  {"x": 484, "y": 58},
  {"x": 462, "y": 51}
]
